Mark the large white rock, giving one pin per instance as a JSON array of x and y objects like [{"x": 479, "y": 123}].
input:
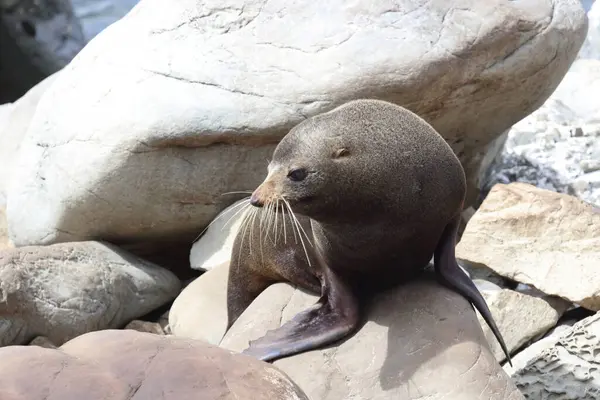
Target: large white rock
[
  {"x": 14, "y": 123},
  {"x": 178, "y": 102},
  {"x": 541, "y": 238}
]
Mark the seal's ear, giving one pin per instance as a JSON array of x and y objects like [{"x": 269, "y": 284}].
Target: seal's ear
[{"x": 342, "y": 152}]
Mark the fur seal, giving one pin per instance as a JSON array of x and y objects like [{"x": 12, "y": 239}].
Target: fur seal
[{"x": 356, "y": 200}]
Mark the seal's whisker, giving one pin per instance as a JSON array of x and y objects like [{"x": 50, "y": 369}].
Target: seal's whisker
[
  {"x": 245, "y": 201},
  {"x": 301, "y": 240},
  {"x": 299, "y": 225},
  {"x": 270, "y": 218},
  {"x": 245, "y": 207},
  {"x": 250, "y": 221},
  {"x": 245, "y": 225},
  {"x": 284, "y": 230},
  {"x": 226, "y": 193},
  {"x": 276, "y": 219}
]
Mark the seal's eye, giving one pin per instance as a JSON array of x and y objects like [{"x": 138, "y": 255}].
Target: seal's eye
[{"x": 298, "y": 174}]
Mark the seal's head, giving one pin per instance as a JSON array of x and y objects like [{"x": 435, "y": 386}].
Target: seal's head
[
  {"x": 367, "y": 157},
  {"x": 302, "y": 171},
  {"x": 328, "y": 165}
]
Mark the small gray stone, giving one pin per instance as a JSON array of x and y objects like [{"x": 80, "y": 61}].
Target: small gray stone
[
  {"x": 145, "y": 326},
  {"x": 42, "y": 341}
]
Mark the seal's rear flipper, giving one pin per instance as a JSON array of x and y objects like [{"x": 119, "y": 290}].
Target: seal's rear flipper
[
  {"x": 334, "y": 317},
  {"x": 453, "y": 276}
]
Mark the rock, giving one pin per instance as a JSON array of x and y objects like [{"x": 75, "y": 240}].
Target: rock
[
  {"x": 569, "y": 370},
  {"x": 96, "y": 15},
  {"x": 125, "y": 365},
  {"x": 577, "y": 88},
  {"x": 163, "y": 321},
  {"x": 214, "y": 247},
  {"x": 37, "y": 38},
  {"x": 146, "y": 326},
  {"x": 4, "y": 242},
  {"x": 65, "y": 290},
  {"x": 557, "y": 146},
  {"x": 420, "y": 341},
  {"x": 200, "y": 310},
  {"x": 591, "y": 45},
  {"x": 145, "y": 149},
  {"x": 13, "y": 127},
  {"x": 548, "y": 240},
  {"x": 522, "y": 358},
  {"x": 519, "y": 317},
  {"x": 42, "y": 341}
]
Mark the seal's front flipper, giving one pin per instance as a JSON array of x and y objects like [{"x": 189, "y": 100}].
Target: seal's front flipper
[
  {"x": 453, "y": 276},
  {"x": 334, "y": 317}
]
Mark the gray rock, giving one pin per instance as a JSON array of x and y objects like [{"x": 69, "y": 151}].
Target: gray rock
[
  {"x": 145, "y": 326},
  {"x": 43, "y": 341},
  {"x": 178, "y": 102},
  {"x": 37, "y": 38},
  {"x": 68, "y": 289},
  {"x": 569, "y": 370}
]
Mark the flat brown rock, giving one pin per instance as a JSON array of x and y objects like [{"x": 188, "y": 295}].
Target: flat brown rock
[
  {"x": 541, "y": 238},
  {"x": 421, "y": 341},
  {"x": 128, "y": 365}
]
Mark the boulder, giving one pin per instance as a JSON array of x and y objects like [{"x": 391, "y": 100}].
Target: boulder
[
  {"x": 419, "y": 341},
  {"x": 568, "y": 370},
  {"x": 4, "y": 242},
  {"x": 65, "y": 290},
  {"x": 200, "y": 310},
  {"x": 213, "y": 248},
  {"x": 178, "y": 102},
  {"x": 548, "y": 240},
  {"x": 127, "y": 365},
  {"x": 37, "y": 39},
  {"x": 14, "y": 123}
]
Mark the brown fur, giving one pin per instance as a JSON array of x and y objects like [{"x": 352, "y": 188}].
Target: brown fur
[{"x": 381, "y": 188}]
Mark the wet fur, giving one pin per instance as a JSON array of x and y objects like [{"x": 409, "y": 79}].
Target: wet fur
[{"x": 382, "y": 196}]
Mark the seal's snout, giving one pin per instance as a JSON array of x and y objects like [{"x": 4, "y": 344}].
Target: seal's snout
[{"x": 255, "y": 200}]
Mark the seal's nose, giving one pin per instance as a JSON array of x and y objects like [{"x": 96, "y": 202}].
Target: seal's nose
[{"x": 255, "y": 200}]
